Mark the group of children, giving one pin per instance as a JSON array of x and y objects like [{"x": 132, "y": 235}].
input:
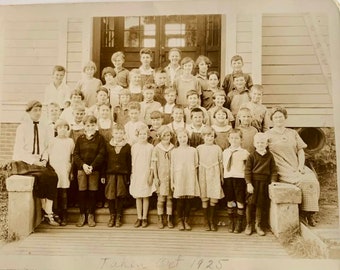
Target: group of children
[{"x": 165, "y": 131}]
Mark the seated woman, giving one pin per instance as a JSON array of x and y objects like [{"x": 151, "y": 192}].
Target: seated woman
[
  {"x": 287, "y": 148},
  {"x": 30, "y": 156}
]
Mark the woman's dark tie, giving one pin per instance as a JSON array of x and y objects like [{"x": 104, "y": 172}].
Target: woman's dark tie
[{"x": 36, "y": 138}]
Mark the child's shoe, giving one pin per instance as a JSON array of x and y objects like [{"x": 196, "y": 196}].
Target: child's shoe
[
  {"x": 170, "y": 224},
  {"x": 111, "y": 221},
  {"x": 81, "y": 221},
  {"x": 259, "y": 231},
  {"x": 186, "y": 224},
  {"x": 144, "y": 223},
  {"x": 160, "y": 222},
  {"x": 50, "y": 220},
  {"x": 119, "y": 221},
  {"x": 90, "y": 220},
  {"x": 248, "y": 230},
  {"x": 181, "y": 224},
  {"x": 138, "y": 223}
]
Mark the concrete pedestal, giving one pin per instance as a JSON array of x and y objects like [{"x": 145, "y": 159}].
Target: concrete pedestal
[
  {"x": 284, "y": 210},
  {"x": 22, "y": 214}
]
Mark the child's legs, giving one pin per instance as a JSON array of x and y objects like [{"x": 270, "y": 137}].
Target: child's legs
[
  {"x": 145, "y": 207},
  {"x": 169, "y": 205},
  {"x": 120, "y": 205},
  {"x": 213, "y": 202},
  {"x": 180, "y": 207},
  {"x": 93, "y": 179},
  {"x": 74, "y": 189},
  {"x": 229, "y": 192},
  {"x": 110, "y": 193},
  {"x": 82, "y": 195},
  {"x": 62, "y": 195},
  {"x": 187, "y": 206},
  {"x": 160, "y": 204},
  {"x": 139, "y": 207},
  {"x": 240, "y": 188},
  {"x": 205, "y": 203},
  {"x": 48, "y": 206}
]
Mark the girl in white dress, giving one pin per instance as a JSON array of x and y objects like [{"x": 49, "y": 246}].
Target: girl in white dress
[
  {"x": 184, "y": 181},
  {"x": 141, "y": 187},
  {"x": 210, "y": 173},
  {"x": 60, "y": 153}
]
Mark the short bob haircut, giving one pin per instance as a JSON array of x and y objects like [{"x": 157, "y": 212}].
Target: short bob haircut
[
  {"x": 90, "y": 64},
  {"x": 116, "y": 55},
  {"x": 203, "y": 58},
  {"x": 187, "y": 60},
  {"x": 108, "y": 70},
  {"x": 278, "y": 109},
  {"x": 77, "y": 92},
  {"x": 61, "y": 123}
]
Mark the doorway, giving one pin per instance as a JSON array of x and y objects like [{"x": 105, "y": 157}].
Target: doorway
[{"x": 194, "y": 35}]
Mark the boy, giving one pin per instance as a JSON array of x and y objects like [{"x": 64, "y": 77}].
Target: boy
[
  {"x": 89, "y": 155},
  {"x": 148, "y": 104},
  {"x": 122, "y": 74},
  {"x": 239, "y": 94},
  {"x": 170, "y": 97},
  {"x": 102, "y": 98},
  {"x": 196, "y": 127},
  {"x": 173, "y": 70},
  {"x": 57, "y": 91},
  {"x": 135, "y": 86},
  {"x": 259, "y": 112},
  {"x": 160, "y": 79},
  {"x": 77, "y": 98},
  {"x": 178, "y": 118},
  {"x": 260, "y": 171},
  {"x": 89, "y": 84},
  {"x": 236, "y": 64},
  {"x": 134, "y": 122},
  {"x": 53, "y": 114},
  {"x": 146, "y": 72},
  {"x": 156, "y": 122},
  {"x": 247, "y": 130},
  {"x": 120, "y": 112},
  {"x": 219, "y": 99},
  {"x": 193, "y": 102},
  {"x": 234, "y": 158}
]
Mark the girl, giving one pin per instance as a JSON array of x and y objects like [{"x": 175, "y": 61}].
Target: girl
[
  {"x": 161, "y": 164},
  {"x": 135, "y": 86},
  {"x": 221, "y": 127},
  {"x": 118, "y": 170},
  {"x": 102, "y": 98},
  {"x": 196, "y": 127},
  {"x": 89, "y": 84},
  {"x": 184, "y": 181},
  {"x": 173, "y": 70},
  {"x": 132, "y": 125},
  {"x": 105, "y": 122},
  {"x": 146, "y": 71},
  {"x": 203, "y": 63},
  {"x": 109, "y": 76},
  {"x": 210, "y": 173},
  {"x": 213, "y": 86},
  {"x": 141, "y": 187},
  {"x": 60, "y": 156}
]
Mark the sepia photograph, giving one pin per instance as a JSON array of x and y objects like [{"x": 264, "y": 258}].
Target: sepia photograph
[{"x": 158, "y": 134}]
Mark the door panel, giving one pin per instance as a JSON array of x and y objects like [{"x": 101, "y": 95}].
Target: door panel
[{"x": 194, "y": 35}]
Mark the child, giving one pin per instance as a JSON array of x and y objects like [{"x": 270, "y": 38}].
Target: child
[
  {"x": 186, "y": 81},
  {"x": 156, "y": 123},
  {"x": 221, "y": 128},
  {"x": 247, "y": 130},
  {"x": 259, "y": 112},
  {"x": 122, "y": 74},
  {"x": 196, "y": 127},
  {"x": 193, "y": 102},
  {"x": 132, "y": 125},
  {"x": 202, "y": 63},
  {"x": 260, "y": 171},
  {"x": 105, "y": 122},
  {"x": 120, "y": 112},
  {"x": 239, "y": 95},
  {"x": 160, "y": 79},
  {"x": 77, "y": 99},
  {"x": 135, "y": 86},
  {"x": 208, "y": 93},
  {"x": 146, "y": 72},
  {"x": 170, "y": 98},
  {"x": 161, "y": 156},
  {"x": 173, "y": 70},
  {"x": 89, "y": 155},
  {"x": 177, "y": 122},
  {"x": 53, "y": 115},
  {"x": 236, "y": 64},
  {"x": 141, "y": 186},
  {"x": 117, "y": 174},
  {"x": 108, "y": 76},
  {"x": 234, "y": 158},
  {"x": 88, "y": 84},
  {"x": 183, "y": 175},
  {"x": 148, "y": 104},
  {"x": 219, "y": 99},
  {"x": 102, "y": 98},
  {"x": 210, "y": 176},
  {"x": 60, "y": 155},
  {"x": 57, "y": 91}
]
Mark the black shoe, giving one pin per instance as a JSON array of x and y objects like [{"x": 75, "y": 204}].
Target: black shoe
[
  {"x": 145, "y": 223},
  {"x": 138, "y": 223},
  {"x": 81, "y": 220},
  {"x": 119, "y": 221},
  {"x": 311, "y": 221}
]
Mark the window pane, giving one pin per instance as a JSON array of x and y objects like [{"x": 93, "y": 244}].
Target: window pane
[
  {"x": 149, "y": 42},
  {"x": 131, "y": 22},
  {"x": 108, "y": 32},
  {"x": 131, "y": 38}
]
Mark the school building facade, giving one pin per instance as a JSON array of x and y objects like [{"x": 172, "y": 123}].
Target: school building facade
[{"x": 291, "y": 47}]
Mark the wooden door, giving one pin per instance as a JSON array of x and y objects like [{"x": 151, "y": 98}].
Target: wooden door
[{"x": 194, "y": 35}]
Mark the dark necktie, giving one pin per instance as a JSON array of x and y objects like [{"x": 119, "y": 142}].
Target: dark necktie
[
  {"x": 230, "y": 161},
  {"x": 36, "y": 138}
]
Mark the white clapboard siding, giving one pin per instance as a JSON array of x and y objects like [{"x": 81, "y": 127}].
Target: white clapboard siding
[
  {"x": 244, "y": 40},
  {"x": 74, "y": 51},
  {"x": 292, "y": 75},
  {"x": 30, "y": 51}
]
